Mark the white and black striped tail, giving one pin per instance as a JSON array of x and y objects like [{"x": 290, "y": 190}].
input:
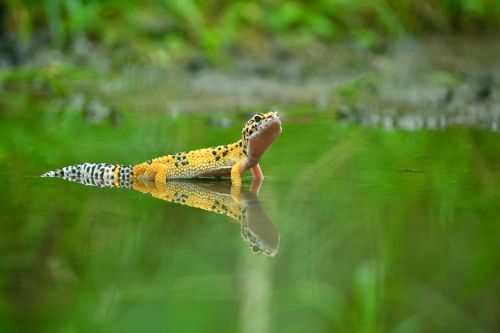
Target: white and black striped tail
[{"x": 95, "y": 174}]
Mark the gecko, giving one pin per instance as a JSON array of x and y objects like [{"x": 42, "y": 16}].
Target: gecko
[{"x": 258, "y": 133}]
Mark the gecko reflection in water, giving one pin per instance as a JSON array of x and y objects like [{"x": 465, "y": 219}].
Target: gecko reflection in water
[
  {"x": 256, "y": 227},
  {"x": 217, "y": 196}
]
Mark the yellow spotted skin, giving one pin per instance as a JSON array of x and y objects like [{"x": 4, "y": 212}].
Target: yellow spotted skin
[
  {"x": 229, "y": 159},
  {"x": 196, "y": 163}
]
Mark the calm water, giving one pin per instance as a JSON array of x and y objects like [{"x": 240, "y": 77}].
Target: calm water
[{"x": 372, "y": 230}]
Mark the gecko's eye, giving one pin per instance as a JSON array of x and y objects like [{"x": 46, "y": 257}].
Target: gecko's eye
[{"x": 257, "y": 118}]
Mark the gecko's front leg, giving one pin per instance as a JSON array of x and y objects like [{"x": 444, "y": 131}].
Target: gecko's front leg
[{"x": 236, "y": 171}]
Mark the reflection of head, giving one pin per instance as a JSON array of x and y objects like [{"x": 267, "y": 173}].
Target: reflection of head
[
  {"x": 259, "y": 133},
  {"x": 258, "y": 231}
]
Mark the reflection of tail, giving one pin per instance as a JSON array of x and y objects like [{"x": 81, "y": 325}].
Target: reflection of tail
[{"x": 96, "y": 174}]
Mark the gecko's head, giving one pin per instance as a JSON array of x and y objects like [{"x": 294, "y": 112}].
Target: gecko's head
[{"x": 259, "y": 133}]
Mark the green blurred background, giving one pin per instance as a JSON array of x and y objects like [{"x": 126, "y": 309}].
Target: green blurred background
[
  {"x": 383, "y": 185},
  {"x": 215, "y": 29}
]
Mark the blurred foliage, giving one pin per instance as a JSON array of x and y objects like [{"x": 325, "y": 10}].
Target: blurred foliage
[
  {"x": 55, "y": 78},
  {"x": 180, "y": 28}
]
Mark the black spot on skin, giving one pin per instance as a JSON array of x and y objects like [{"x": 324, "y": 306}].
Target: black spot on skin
[
  {"x": 241, "y": 143},
  {"x": 213, "y": 207},
  {"x": 224, "y": 153},
  {"x": 214, "y": 152},
  {"x": 219, "y": 148},
  {"x": 217, "y": 158}
]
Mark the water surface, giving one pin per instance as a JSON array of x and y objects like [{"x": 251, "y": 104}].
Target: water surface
[{"x": 380, "y": 231}]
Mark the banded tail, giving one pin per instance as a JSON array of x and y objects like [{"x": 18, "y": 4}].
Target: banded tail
[{"x": 96, "y": 174}]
